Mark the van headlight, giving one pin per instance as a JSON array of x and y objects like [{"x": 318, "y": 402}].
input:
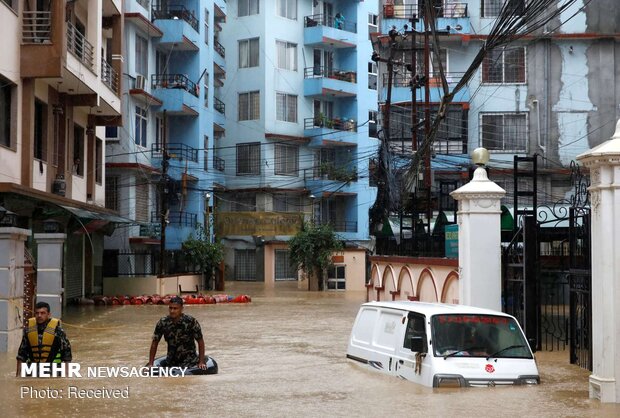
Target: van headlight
[
  {"x": 528, "y": 380},
  {"x": 448, "y": 381}
]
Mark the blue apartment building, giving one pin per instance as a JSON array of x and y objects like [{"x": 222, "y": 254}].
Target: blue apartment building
[
  {"x": 301, "y": 108},
  {"x": 174, "y": 69}
]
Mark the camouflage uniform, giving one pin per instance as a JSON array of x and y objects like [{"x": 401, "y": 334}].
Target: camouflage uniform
[
  {"x": 180, "y": 336},
  {"x": 61, "y": 345}
]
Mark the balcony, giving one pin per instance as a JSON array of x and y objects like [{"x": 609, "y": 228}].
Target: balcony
[
  {"x": 219, "y": 48},
  {"x": 219, "y": 105},
  {"x": 177, "y": 218},
  {"x": 340, "y": 225},
  {"x": 177, "y": 92},
  {"x": 324, "y": 81},
  {"x": 176, "y": 151},
  {"x": 401, "y": 91},
  {"x": 452, "y": 14},
  {"x": 179, "y": 26},
  {"x": 331, "y": 172},
  {"x": 109, "y": 76},
  {"x": 322, "y": 30},
  {"x": 323, "y": 131},
  {"x": 219, "y": 164},
  {"x": 79, "y": 46},
  {"x": 36, "y": 27}
]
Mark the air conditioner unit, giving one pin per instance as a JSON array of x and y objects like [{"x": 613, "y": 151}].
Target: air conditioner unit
[{"x": 140, "y": 81}]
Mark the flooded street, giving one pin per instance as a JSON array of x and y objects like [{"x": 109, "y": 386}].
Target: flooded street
[{"x": 283, "y": 355}]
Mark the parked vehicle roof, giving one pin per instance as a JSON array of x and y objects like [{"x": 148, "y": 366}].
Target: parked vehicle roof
[{"x": 434, "y": 308}]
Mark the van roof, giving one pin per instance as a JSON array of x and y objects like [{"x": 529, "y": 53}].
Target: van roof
[{"x": 434, "y": 308}]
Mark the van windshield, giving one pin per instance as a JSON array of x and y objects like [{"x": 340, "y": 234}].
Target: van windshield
[{"x": 473, "y": 335}]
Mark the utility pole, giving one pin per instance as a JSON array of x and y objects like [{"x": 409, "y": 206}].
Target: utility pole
[
  {"x": 427, "y": 130},
  {"x": 163, "y": 194}
]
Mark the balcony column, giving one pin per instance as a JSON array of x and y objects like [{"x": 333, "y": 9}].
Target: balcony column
[
  {"x": 27, "y": 139},
  {"x": 50, "y": 250},
  {"x": 604, "y": 164},
  {"x": 480, "y": 260},
  {"x": 11, "y": 286},
  {"x": 118, "y": 41},
  {"x": 91, "y": 158}
]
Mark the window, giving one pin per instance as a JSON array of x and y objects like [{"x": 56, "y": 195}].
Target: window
[
  {"x": 98, "y": 161},
  {"x": 40, "y": 130},
  {"x": 141, "y": 118},
  {"x": 504, "y": 66},
  {"x": 286, "y": 107},
  {"x": 247, "y": 8},
  {"x": 245, "y": 264},
  {"x": 111, "y": 192},
  {"x": 504, "y": 132},
  {"x": 287, "y": 8},
  {"x": 248, "y": 53},
  {"x": 287, "y": 202},
  {"x": 142, "y": 200},
  {"x": 336, "y": 278},
  {"x": 372, "y": 25},
  {"x": 206, "y": 27},
  {"x": 284, "y": 268},
  {"x": 372, "y": 123},
  {"x": 287, "y": 55},
  {"x": 159, "y": 132},
  {"x": 142, "y": 56},
  {"x": 244, "y": 202},
  {"x": 78, "y": 150},
  {"x": 249, "y": 105},
  {"x": 111, "y": 133},
  {"x": 206, "y": 153},
  {"x": 144, "y": 3},
  {"x": 372, "y": 75},
  {"x": 491, "y": 8},
  {"x": 7, "y": 118},
  {"x": 248, "y": 158},
  {"x": 415, "y": 328},
  {"x": 287, "y": 160}
]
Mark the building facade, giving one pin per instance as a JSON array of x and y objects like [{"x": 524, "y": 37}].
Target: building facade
[
  {"x": 551, "y": 94},
  {"x": 174, "y": 71},
  {"x": 301, "y": 117},
  {"x": 59, "y": 89}
]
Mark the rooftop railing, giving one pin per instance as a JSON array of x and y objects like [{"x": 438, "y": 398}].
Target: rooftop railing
[{"x": 175, "y": 12}]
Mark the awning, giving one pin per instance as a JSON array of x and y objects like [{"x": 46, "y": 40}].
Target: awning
[{"x": 92, "y": 221}]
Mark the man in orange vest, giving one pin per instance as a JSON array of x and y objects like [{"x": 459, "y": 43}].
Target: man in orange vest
[{"x": 44, "y": 340}]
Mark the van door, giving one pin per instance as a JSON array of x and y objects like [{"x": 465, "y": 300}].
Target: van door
[{"x": 412, "y": 365}]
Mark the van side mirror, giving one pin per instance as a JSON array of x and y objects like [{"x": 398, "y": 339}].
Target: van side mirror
[
  {"x": 417, "y": 344},
  {"x": 532, "y": 343}
]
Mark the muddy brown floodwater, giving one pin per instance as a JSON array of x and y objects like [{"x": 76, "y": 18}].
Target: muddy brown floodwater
[{"x": 283, "y": 355}]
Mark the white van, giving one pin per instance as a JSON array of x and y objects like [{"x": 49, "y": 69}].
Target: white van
[{"x": 442, "y": 345}]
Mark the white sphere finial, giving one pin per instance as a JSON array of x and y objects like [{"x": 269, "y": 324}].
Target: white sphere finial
[{"x": 480, "y": 156}]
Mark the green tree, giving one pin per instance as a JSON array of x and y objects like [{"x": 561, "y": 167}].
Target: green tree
[
  {"x": 202, "y": 253},
  {"x": 311, "y": 250}
]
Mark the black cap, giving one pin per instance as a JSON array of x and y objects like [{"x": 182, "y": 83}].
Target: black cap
[{"x": 177, "y": 300}]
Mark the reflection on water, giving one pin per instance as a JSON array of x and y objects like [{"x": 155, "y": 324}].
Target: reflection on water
[{"x": 282, "y": 355}]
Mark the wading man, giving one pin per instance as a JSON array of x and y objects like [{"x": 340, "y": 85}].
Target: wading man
[
  {"x": 44, "y": 340},
  {"x": 180, "y": 331}
]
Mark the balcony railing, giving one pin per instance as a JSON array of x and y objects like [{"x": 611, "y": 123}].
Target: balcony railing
[
  {"x": 330, "y": 171},
  {"x": 329, "y": 123},
  {"x": 406, "y": 11},
  {"x": 331, "y": 21},
  {"x": 326, "y": 72},
  {"x": 176, "y": 150},
  {"x": 36, "y": 27},
  {"x": 218, "y": 163},
  {"x": 79, "y": 46},
  {"x": 177, "y": 218},
  {"x": 340, "y": 226},
  {"x": 219, "y": 105},
  {"x": 174, "y": 81},
  {"x": 404, "y": 80},
  {"x": 109, "y": 76},
  {"x": 219, "y": 48},
  {"x": 174, "y": 11}
]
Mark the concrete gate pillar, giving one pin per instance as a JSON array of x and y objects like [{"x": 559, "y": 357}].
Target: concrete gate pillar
[
  {"x": 480, "y": 260},
  {"x": 604, "y": 164},
  {"x": 50, "y": 251},
  {"x": 11, "y": 287}
]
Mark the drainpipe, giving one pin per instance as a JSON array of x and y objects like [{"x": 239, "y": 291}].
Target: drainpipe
[{"x": 540, "y": 145}]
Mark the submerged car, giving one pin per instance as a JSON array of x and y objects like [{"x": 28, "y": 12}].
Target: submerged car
[{"x": 440, "y": 345}]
